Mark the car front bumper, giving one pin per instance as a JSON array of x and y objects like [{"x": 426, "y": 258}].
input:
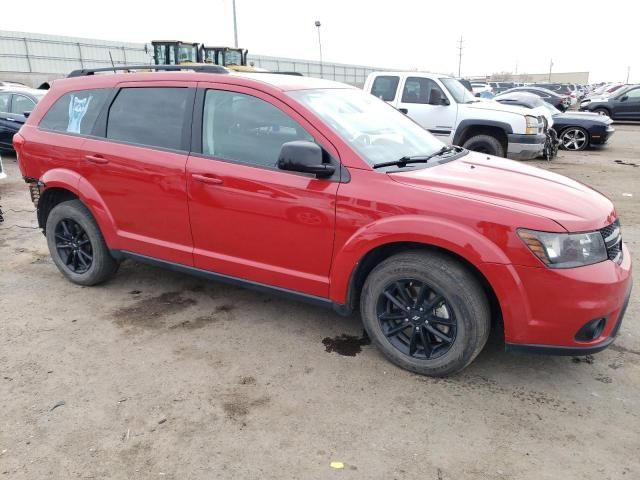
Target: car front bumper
[
  {"x": 600, "y": 138},
  {"x": 544, "y": 308},
  {"x": 525, "y": 147}
]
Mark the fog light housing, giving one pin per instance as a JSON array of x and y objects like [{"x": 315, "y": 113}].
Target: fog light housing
[{"x": 591, "y": 330}]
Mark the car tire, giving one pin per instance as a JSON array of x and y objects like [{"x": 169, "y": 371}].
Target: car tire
[
  {"x": 574, "y": 139},
  {"x": 602, "y": 111},
  {"x": 77, "y": 246},
  {"x": 454, "y": 304},
  {"x": 485, "y": 144}
]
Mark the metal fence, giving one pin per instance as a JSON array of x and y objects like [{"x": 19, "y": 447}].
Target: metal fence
[{"x": 34, "y": 55}]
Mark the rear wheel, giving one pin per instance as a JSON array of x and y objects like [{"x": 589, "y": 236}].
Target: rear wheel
[
  {"x": 425, "y": 312},
  {"x": 574, "y": 138},
  {"x": 485, "y": 144},
  {"x": 77, "y": 246}
]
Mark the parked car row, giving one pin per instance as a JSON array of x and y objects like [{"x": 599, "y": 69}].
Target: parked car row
[
  {"x": 16, "y": 102},
  {"x": 621, "y": 104}
]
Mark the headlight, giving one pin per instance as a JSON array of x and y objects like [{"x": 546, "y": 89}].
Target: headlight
[
  {"x": 532, "y": 125},
  {"x": 565, "y": 250}
]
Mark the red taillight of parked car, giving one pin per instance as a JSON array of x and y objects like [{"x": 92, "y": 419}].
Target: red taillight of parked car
[{"x": 18, "y": 142}]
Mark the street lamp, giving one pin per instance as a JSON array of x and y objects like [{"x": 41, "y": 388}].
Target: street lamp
[{"x": 318, "y": 24}]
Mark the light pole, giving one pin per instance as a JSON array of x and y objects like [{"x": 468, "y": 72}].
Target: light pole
[
  {"x": 235, "y": 26},
  {"x": 460, "y": 47},
  {"x": 318, "y": 24},
  {"x": 550, "y": 67}
]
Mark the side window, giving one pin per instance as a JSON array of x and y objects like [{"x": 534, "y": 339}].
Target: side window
[
  {"x": 417, "y": 90},
  {"x": 22, "y": 104},
  {"x": 75, "y": 112},
  {"x": 246, "y": 129},
  {"x": 5, "y": 101},
  {"x": 635, "y": 94},
  {"x": 385, "y": 87},
  {"x": 152, "y": 116}
]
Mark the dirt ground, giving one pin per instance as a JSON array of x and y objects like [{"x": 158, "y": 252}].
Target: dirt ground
[{"x": 160, "y": 375}]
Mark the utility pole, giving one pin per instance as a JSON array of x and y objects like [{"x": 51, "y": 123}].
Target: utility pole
[
  {"x": 235, "y": 26},
  {"x": 550, "y": 67},
  {"x": 460, "y": 47},
  {"x": 318, "y": 24},
  {"x": 628, "y": 72}
]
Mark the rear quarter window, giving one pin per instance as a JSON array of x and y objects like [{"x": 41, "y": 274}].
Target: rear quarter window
[
  {"x": 384, "y": 87},
  {"x": 75, "y": 112}
]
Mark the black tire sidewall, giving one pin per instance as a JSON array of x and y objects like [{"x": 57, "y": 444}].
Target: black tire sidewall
[
  {"x": 488, "y": 143},
  {"x": 103, "y": 265},
  {"x": 462, "y": 294}
]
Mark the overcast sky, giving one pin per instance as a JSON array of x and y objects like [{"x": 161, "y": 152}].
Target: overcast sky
[{"x": 498, "y": 35}]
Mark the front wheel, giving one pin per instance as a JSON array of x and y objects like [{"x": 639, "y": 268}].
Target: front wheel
[
  {"x": 602, "y": 111},
  {"x": 426, "y": 312},
  {"x": 485, "y": 144},
  {"x": 77, "y": 246}
]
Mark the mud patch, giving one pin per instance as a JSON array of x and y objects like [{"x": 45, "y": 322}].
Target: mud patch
[
  {"x": 225, "y": 308},
  {"x": 621, "y": 349},
  {"x": 346, "y": 345},
  {"x": 631, "y": 164},
  {"x": 198, "y": 322},
  {"x": 604, "y": 379},
  {"x": 148, "y": 312},
  {"x": 248, "y": 380},
  {"x": 238, "y": 406}
]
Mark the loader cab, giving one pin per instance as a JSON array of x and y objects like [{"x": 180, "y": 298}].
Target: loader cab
[
  {"x": 224, "y": 56},
  {"x": 174, "y": 52}
]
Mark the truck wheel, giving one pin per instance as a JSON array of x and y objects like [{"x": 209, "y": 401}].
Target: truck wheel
[
  {"x": 77, "y": 246},
  {"x": 426, "y": 312},
  {"x": 485, "y": 144}
]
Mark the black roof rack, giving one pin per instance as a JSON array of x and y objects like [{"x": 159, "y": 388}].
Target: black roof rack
[{"x": 195, "y": 68}]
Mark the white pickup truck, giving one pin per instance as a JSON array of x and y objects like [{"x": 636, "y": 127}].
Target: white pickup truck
[{"x": 443, "y": 106}]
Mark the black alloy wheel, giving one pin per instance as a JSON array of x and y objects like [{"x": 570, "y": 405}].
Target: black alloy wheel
[
  {"x": 416, "y": 319},
  {"x": 73, "y": 246}
]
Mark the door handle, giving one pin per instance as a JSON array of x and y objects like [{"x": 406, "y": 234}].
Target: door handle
[
  {"x": 404, "y": 110},
  {"x": 11, "y": 119},
  {"x": 96, "y": 159},
  {"x": 206, "y": 179}
]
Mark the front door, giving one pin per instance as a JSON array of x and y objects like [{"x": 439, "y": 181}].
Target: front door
[
  {"x": 629, "y": 108},
  {"x": 249, "y": 219},
  {"x": 414, "y": 101}
]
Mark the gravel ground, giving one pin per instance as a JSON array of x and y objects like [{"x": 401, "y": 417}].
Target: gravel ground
[{"x": 160, "y": 375}]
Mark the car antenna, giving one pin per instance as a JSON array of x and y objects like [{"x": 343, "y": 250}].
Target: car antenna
[{"x": 112, "y": 64}]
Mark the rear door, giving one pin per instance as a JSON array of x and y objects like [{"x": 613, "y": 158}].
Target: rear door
[
  {"x": 385, "y": 87},
  {"x": 138, "y": 167},
  {"x": 249, "y": 219},
  {"x": 414, "y": 101}
]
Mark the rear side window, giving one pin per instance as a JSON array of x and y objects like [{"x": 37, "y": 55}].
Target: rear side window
[
  {"x": 385, "y": 87},
  {"x": 75, "y": 112},
  {"x": 5, "y": 101},
  {"x": 152, "y": 116}
]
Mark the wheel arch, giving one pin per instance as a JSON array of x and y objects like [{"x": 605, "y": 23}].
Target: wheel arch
[
  {"x": 467, "y": 129},
  {"x": 60, "y": 185}
]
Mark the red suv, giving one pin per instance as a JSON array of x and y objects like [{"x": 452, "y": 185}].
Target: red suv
[{"x": 321, "y": 192}]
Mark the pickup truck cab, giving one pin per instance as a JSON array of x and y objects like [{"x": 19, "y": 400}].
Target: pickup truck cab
[{"x": 443, "y": 106}]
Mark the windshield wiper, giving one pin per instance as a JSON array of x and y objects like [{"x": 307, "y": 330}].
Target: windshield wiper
[{"x": 407, "y": 159}]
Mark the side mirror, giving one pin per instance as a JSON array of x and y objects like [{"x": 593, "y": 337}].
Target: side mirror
[
  {"x": 624, "y": 98},
  {"x": 436, "y": 98},
  {"x": 306, "y": 157},
  {"x": 26, "y": 114}
]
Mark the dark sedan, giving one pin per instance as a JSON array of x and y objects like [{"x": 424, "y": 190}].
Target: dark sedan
[
  {"x": 14, "y": 103},
  {"x": 576, "y": 130},
  {"x": 622, "y": 105},
  {"x": 561, "y": 102}
]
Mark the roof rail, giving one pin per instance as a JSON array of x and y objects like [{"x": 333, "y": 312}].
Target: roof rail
[{"x": 196, "y": 68}]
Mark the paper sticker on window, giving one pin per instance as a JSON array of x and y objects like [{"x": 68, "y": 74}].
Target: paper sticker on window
[{"x": 77, "y": 109}]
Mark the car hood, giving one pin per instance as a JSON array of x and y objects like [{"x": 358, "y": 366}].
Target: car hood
[
  {"x": 513, "y": 185},
  {"x": 580, "y": 116},
  {"x": 489, "y": 104}
]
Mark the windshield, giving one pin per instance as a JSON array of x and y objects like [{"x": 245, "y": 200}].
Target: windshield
[
  {"x": 377, "y": 131},
  {"x": 458, "y": 91}
]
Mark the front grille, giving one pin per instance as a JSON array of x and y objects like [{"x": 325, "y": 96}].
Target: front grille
[{"x": 612, "y": 236}]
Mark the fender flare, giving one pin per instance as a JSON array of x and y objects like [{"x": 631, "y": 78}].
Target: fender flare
[
  {"x": 457, "y": 238},
  {"x": 464, "y": 125},
  {"x": 86, "y": 192}
]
